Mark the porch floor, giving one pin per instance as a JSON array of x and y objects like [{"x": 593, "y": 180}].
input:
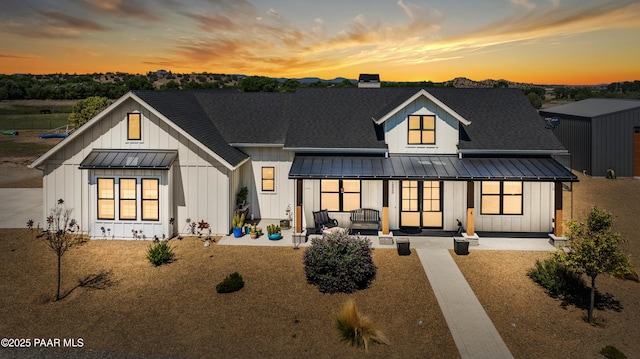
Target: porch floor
[{"x": 416, "y": 242}]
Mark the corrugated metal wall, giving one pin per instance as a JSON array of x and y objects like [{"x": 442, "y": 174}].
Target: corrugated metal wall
[
  {"x": 575, "y": 135},
  {"x": 612, "y": 146},
  {"x": 600, "y": 143}
]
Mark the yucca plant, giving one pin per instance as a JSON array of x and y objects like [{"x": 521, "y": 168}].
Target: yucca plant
[
  {"x": 160, "y": 253},
  {"x": 357, "y": 329}
]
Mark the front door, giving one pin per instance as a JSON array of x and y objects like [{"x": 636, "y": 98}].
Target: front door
[{"x": 421, "y": 204}]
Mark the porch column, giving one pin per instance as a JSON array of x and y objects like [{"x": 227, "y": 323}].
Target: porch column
[
  {"x": 558, "y": 207},
  {"x": 470, "y": 206},
  {"x": 298, "y": 206},
  {"x": 385, "y": 206}
]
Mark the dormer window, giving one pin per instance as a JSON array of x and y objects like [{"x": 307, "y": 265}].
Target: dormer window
[
  {"x": 134, "y": 131},
  {"x": 422, "y": 130}
]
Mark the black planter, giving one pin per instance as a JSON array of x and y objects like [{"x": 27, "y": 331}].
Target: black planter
[
  {"x": 460, "y": 246},
  {"x": 404, "y": 246}
]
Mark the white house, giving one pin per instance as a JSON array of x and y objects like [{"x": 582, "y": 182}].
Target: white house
[{"x": 422, "y": 157}]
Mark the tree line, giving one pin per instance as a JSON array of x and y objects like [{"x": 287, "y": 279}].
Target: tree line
[{"x": 114, "y": 85}]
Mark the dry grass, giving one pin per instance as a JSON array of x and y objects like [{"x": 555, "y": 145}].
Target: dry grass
[
  {"x": 534, "y": 325},
  {"x": 174, "y": 309},
  {"x": 357, "y": 329}
]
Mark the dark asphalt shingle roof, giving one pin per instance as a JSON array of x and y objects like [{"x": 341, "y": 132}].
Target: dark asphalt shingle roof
[
  {"x": 501, "y": 119},
  {"x": 183, "y": 108},
  {"x": 342, "y": 118},
  {"x": 592, "y": 107}
]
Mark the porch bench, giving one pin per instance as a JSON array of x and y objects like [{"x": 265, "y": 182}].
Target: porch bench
[{"x": 365, "y": 218}]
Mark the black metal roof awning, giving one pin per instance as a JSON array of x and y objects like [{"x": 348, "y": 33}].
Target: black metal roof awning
[
  {"x": 430, "y": 168},
  {"x": 129, "y": 159}
]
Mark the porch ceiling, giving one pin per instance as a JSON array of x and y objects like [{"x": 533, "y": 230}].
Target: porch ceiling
[
  {"x": 129, "y": 159},
  {"x": 430, "y": 168}
]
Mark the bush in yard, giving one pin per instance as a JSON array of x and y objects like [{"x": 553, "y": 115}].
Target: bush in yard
[
  {"x": 339, "y": 263},
  {"x": 612, "y": 352},
  {"x": 558, "y": 279},
  {"x": 231, "y": 283},
  {"x": 357, "y": 329},
  {"x": 160, "y": 253}
]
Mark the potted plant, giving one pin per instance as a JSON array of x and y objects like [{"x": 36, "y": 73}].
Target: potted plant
[
  {"x": 247, "y": 228},
  {"x": 241, "y": 197},
  {"x": 254, "y": 232},
  {"x": 273, "y": 232},
  {"x": 237, "y": 223}
]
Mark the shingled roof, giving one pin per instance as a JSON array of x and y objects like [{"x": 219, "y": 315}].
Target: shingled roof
[
  {"x": 501, "y": 119},
  {"x": 341, "y": 119}
]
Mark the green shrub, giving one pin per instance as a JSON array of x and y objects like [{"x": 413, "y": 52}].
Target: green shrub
[
  {"x": 357, "y": 329},
  {"x": 231, "y": 283},
  {"x": 160, "y": 253},
  {"x": 556, "y": 278},
  {"x": 339, "y": 263},
  {"x": 612, "y": 352}
]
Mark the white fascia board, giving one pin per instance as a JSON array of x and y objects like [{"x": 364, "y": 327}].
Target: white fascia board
[
  {"x": 187, "y": 135},
  {"x": 512, "y": 152},
  {"x": 426, "y": 94},
  {"x": 255, "y": 145},
  {"x": 130, "y": 95},
  {"x": 38, "y": 161},
  {"x": 337, "y": 150}
]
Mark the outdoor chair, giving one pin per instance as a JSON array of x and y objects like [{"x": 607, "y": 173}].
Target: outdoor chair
[{"x": 322, "y": 220}]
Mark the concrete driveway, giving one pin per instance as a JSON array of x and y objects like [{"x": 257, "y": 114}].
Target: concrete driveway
[{"x": 18, "y": 205}]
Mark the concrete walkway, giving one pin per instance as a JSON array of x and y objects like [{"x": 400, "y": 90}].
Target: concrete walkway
[
  {"x": 472, "y": 330},
  {"x": 18, "y": 205}
]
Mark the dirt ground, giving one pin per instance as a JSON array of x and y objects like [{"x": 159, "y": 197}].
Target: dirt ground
[
  {"x": 173, "y": 311},
  {"x": 14, "y": 172}
]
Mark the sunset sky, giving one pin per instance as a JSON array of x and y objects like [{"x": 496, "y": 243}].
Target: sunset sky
[{"x": 538, "y": 41}]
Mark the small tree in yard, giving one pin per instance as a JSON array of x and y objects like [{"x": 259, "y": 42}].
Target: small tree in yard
[
  {"x": 595, "y": 249},
  {"x": 60, "y": 234}
]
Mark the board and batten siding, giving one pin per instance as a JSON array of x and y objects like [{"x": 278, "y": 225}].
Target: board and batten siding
[
  {"x": 370, "y": 197},
  {"x": 396, "y": 130},
  {"x": 267, "y": 204},
  {"x": 199, "y": 184},
  {"x": 537, "y": 211}
]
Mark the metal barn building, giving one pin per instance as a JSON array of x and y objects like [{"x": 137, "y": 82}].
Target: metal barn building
[{"x": 600, "y": 134}]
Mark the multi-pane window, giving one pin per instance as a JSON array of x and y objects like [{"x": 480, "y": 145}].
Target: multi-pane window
[
  {"x": 422, "y": 130},
  {"x": 340, "y": 195},
  {"x": 501, "y": 197},
  {"x": 128, "y": 197},
  {"x": 150, "y": 199},
  {"x": 128, "y": 192},
  {"x": 106, "y": 198},
  {"x": 134, "y": 131},
  {"x": 268, "y": 179}
]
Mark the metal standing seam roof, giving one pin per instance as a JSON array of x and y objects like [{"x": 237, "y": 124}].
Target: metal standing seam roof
[
  {"x": 430, "y": 168},
  {"x": 129, "y": 159}
]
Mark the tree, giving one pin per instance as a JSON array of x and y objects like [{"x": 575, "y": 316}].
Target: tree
[
  {"x": 259, "y": 84},
  {"x": 595, "y": 249},
  {"x": 139, "y": 83},
  {"x": 86, "y": 109},
  {"x": 60, "y": 234},
  {"x": 535, "y": 100}
]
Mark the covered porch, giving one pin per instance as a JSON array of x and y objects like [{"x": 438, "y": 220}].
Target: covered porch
[{"x": 465, "y": 174}]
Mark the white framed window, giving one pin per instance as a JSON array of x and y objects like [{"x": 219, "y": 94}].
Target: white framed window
[
  {"x": 106, "y": 198},
  {"x": 422, "y": 130},
  {"x": 501, "y": 198},
  {"x": 340, "y": 195},
  {"x": 134, "y": 126},
  {"x": 268, "y": 179}
]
